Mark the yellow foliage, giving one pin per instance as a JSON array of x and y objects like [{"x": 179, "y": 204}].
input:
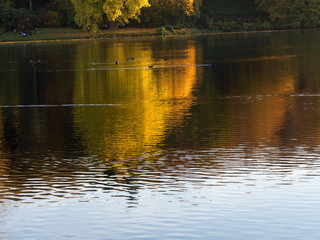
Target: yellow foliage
[
  {"x": 90, "y": 13},
  {"x": 123, "y": 10}
]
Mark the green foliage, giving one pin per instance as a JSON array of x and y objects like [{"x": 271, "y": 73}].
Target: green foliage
[
  {"x": 49, "y": 19},
  {"x": 161, "y": 31},
  {"x": 239, "y": 25},
  {"x": 11, "y": 18},
  {"x": 27, "y": 4},
  {"x": 169, "y": 28},
  {"x": 51, "y": 13},
  {"x": 65, "y": 10},
  {"x": 291, "y": 14},
  {"x": 196, "y": 11},
  {"x": 164, "y": 12},
  {"x": 165, "y": 30},
  {"x": 177, "y": 27},
  {"x": 228, "y": 9},
  {"x": 8, "y": 3},
  {"x": 266, "y": 25},
  {"x": 229, "y": 26},
  {"x": 56, "y": 13}
]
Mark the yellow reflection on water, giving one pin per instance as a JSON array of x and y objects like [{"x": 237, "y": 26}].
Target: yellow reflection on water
[{"x": 148, "y": 99}]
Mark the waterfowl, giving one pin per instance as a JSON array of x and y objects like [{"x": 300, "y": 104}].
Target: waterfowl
[
  {"x": 151, "y": 66},
  {"x": 211, "y": 64},
  {"x": 116, "y": 62},
  {"x": 165, "y": 59},
  {"x": 110, "y": 172},
  {"x": 132, "y": 58}
]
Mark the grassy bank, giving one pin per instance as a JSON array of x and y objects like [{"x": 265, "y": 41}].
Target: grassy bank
[
  {"x": 56, "y": 34},
  {"x": 71, "y": 33}
]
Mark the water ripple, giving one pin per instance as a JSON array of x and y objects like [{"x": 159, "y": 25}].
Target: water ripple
[{"x": 173, "y": 173}]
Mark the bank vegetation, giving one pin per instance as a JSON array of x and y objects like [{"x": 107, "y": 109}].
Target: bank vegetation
[{"x": 98, "y": 18}]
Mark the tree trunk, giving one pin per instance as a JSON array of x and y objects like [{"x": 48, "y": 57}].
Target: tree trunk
[
  {"x": 30, "y": 5},
  {"x": 113, "y": 25}
]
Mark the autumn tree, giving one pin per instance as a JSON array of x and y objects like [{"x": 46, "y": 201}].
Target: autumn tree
[{"x": 90, "y": 13}]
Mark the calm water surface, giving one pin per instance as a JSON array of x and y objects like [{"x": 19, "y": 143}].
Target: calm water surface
[{"x": 90, "y": 149}]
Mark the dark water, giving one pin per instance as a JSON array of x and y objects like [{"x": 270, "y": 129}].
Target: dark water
[{"x": 90, "y": 149}]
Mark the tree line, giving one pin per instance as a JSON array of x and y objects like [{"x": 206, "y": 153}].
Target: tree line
[{"x": 93, "y": 15}]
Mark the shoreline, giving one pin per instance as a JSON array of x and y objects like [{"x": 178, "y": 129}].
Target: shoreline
[
  {"x": 70, "y": 34},
  {"x": 63, "y": 34}
]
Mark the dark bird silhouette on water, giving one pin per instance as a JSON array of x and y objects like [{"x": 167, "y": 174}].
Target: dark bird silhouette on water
[
  {"x": 116, "y": 62},
  {"x": 165, "y": 59},
  {"x": 110, "y": 172},
  {"x": 151, "y": 66},
  {"x": 212, "y": 65}
]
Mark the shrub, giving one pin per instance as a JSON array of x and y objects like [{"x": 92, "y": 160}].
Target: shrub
[
  {"x": 266, "y": 25},
  {"x": 178, "y": 27},
  {"x": 225, "y": 26},
  {"x": 161, "y": 31},
  {"x": 234, "y": 25},
  {"x": 169, "y": 28}
]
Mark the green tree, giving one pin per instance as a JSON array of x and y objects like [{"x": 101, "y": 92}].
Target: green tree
[
  {"x": 28, "y": 4},
  {"x": 90, "y": 13},
  {"x": 163, "y": 12},
  {"x": 8, "y": 3},
  {"x": 289, "y": 13},
  {"x": 11, "y": 18},
  {"x": 65, "y": 9}
]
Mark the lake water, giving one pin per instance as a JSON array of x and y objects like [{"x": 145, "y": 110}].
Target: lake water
[{"x": 90, "y": 149}]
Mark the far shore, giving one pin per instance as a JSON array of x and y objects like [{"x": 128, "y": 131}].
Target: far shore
[
  {"x": 55, "y": 34},
  {"x": 59, "y": 34}
]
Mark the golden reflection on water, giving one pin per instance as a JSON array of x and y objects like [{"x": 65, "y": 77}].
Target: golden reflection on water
[{"x": 158, "y": 98}]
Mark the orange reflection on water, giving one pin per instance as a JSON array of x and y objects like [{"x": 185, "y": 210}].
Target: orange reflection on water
[
  {"x": 150, "y": 100},
  {"x": 267, "y": 104}
]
